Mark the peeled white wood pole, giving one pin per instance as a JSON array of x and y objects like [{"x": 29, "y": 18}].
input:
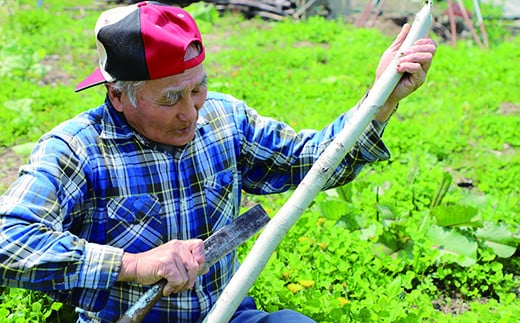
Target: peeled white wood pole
[{"x": 315, "y": 179}]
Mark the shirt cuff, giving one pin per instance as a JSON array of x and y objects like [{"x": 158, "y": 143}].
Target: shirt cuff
[
  {"x": 100, "y": 267},
  {"x": 379, "y": 126},
  {"x": 372, "y": 146},
  {"x": 370, "y": 143}
]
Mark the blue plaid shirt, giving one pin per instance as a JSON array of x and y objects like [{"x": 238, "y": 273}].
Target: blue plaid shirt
[{"x": 94, "y": 188}]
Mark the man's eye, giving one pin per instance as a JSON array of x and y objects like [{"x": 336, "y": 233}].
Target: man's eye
[
  {"x": 202, "y": 84},
  {"x": 170, "y": 99}
]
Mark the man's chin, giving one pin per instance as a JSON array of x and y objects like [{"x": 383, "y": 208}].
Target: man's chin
[{"x": 182, "y": 141}]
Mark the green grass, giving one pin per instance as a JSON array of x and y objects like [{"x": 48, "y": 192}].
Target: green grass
[{"x": 367, "y": 252}]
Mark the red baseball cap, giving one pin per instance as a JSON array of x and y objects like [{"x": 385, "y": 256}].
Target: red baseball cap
[{"x": 144, "y": 41}]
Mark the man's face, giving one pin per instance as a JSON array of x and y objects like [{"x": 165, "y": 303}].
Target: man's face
[{"x": 168, "y": 108}]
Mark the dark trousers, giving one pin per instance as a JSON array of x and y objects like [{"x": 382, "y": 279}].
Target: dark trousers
[{"x": 248, "y": 313}]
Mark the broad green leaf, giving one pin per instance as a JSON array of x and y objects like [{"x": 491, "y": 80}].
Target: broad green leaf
[
  {"x": 24, "y": 149},
  {"x": 390, "y": 241},
  {"x": 333, "y": 209},
  {"x": 344, "y": 192},
  {"x": 382, "y": 249},
  {"x": 22, "y": 106},
  {"x": 36, "y": 307},
  {"x": 394, "y": 288},
  {"x": 348, "y": 222},
  {"x": 388, "y": 213},
  {"x": 4, "y": 312},
  {"x": 453, "y": 245},
  {"x": 368, "y": 233},
  {"x": 457, "y": 215},
  {"x": 497, "y": 233},
  {"x": 56, "y": 306},
  {"x": 501, "y": 250},
  {"x": 394, "y": 251},
  {"x": 478, "y": 201},
  {"x": 499, "y": 238},
  {"x": 10, "y": 63}
]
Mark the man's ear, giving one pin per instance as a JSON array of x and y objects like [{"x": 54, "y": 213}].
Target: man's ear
[{"x": 115, "y": 97}]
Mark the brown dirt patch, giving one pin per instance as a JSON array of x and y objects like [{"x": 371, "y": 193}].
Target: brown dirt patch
[
  {"x": 508, "y": 108},
  {"x": 9, "y": 164}
]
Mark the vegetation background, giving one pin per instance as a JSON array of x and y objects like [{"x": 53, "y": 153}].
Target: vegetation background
[{"x": 430, "y": 235}]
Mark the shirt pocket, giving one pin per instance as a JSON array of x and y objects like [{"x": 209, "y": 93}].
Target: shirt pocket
[
  {"x": 220, "y": 198},
  {"x": 134, "y": 222}
]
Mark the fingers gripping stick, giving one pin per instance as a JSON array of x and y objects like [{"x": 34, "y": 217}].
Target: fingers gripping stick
[
  {"x": 216, "y": 246},
  {"x": 420, "y": 27}
]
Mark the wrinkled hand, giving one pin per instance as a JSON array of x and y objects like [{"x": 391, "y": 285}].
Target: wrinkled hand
[
  {"x": 414, "y": 63},
  {"x": 177, "y": 261}
]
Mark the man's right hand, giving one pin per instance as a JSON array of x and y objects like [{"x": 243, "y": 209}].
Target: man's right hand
[{"x": 177, "y": 261}]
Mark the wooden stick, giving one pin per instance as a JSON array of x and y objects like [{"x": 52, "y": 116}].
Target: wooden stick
[
  {"x": 376, "y": 14},
  {"x": 480, "y": 21},
  {"x": 366, "y": 13},
  {"x": 453, "y": 24},
  {"x": 469, "y": 22},
  {"x": 315, "y": 179}
]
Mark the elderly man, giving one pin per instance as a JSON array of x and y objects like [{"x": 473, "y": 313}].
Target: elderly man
[{"x": 123, "y": 195}]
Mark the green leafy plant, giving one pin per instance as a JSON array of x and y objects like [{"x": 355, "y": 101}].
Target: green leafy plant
[{"x": 20, "y": 306}]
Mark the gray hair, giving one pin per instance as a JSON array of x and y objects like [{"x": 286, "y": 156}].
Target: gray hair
[{"x": 129, "y": 88}]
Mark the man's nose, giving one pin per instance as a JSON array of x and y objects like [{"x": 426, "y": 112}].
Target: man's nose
[{"x": 187, "y": 111}]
